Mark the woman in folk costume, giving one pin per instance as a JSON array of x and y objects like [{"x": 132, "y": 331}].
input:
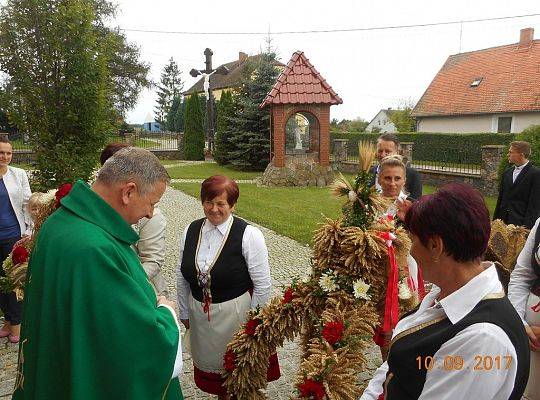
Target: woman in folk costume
[
  {"x": 222, "y": 274},
  {"x": 465, "y": 340},
  {"x": 392, "y": 179},
  {"x": 524, "y": 294}
]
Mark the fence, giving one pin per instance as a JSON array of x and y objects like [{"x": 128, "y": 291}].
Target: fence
[
  {"x": 163, "y": 144},
  {"x": 442, "y": 152},
  {"x": 483, "y": 176}
]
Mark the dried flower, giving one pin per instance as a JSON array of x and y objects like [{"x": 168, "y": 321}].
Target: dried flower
[
  {"x": 360, "y": 289},
  {"x": 352, "y": 196},
  {"x": 332, "y": 331},
  {"x": 251, "y": 325},
  {"x": 229, "y": 361},
  {"x": 307, "y": 277},
  {"x": 311, "y": 389},
  {"x": 404, "y": 293},
  {"x": 287, "y": 296},
  {"x": 20, "y": 255},
  {"x": 327, "y": 283}
]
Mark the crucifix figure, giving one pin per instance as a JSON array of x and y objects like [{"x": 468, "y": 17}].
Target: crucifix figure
[{"x": 206, "y": 73}]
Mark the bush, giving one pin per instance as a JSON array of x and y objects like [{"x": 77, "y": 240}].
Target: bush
[
  {"x": 462, "y": 148},
  {"x": 530, "y": 135},
  {"x": 193, "y": 130}
]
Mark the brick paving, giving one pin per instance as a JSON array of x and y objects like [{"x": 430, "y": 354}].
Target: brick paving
[{"x": 288, "y": 259}]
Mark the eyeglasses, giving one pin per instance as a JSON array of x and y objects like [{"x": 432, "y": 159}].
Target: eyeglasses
[{"x": 219, "y": 204}]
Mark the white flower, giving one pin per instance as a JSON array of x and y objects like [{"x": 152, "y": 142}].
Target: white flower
[
  {"x": 352, "y": 196},
  {"x": 404, "y": 292},
  {"x": 307, "y": 276},
  {"x": 360, "y": 289},
  {"x": 49, "y": 197},
  {"x": 327, "y": 283}
]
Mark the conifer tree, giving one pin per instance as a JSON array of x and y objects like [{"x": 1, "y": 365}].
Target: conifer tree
[
  {"x": 175, "y": 116},
  {"x": 251, "y": 138},
  {"x": 225, "y": 113},
  {"x": 193, "y": 132},
  {"x": 169, "y": 88}
]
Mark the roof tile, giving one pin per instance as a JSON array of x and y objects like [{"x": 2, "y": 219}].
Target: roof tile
[
  {"x": 510, "y": 83},
  {"x": 303, "y": 84}
]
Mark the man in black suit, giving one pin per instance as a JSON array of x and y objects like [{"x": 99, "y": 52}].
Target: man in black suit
[
  {"x": 519, "y": 191},
  {"x": 388, "y": 144}
]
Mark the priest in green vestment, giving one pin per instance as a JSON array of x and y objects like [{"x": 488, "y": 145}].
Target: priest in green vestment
[{"x": 92, "y": 326}]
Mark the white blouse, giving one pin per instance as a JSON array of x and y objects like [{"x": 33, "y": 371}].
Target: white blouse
[
  {"x": 481, "y": 339},
  {"x": 523, "y": 275},
  {"x": 253, "y": 249}
]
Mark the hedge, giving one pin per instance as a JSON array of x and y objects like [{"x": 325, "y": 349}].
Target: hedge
[{"x": 462, "y": 148}]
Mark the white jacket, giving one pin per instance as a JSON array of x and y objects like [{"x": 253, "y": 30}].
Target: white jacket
[
  {"x": 151, "y": 249},
  {"x": 18, "y": 189}
]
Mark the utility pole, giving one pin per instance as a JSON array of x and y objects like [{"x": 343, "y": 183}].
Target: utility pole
[{"x": 206, "y": 73}]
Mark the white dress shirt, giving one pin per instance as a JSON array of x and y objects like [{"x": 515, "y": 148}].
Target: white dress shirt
[
  {"x": 478, "y": 339},
  {"x": 523, "y": 276},
  {"x": 517, "y": 170},
  {"x": 253, "y": 249}
]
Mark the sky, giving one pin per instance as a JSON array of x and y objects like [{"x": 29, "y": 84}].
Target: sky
[{"x": 369, "y": 69}]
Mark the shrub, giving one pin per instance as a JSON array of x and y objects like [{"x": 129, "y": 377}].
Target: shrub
[
  {"x": 462, "y": 148},
  {"x": 193, "y": 130}
]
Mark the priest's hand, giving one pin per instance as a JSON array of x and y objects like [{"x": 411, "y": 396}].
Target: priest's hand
[
  {"x": 534, "y": 337},
  {"x": 185, "y": 322}
]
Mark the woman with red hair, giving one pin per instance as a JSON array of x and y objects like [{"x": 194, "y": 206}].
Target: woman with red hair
[
  {"x": 222, "y": 274},
  {"x": 465, "y": 340}
]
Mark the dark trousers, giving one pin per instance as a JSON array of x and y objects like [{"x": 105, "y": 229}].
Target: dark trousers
[{"x": 9, "y": 305}]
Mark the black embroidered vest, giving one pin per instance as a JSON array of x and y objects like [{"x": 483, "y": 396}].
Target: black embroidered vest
[
  {"x": 534, "y": 263},
  {"x": 407, "y": 375},
  {"x": 229, "y": 275}
]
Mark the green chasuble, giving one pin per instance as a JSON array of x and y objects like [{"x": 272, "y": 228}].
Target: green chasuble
[{"x": 91, "y": 328}]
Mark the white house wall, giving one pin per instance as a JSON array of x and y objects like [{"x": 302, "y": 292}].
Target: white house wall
[{"x": 475, "y": 123}]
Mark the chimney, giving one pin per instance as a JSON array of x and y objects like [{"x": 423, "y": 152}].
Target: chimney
[
  {"x": 526, "y": 36},
  {"x": 242, "y": 57}
]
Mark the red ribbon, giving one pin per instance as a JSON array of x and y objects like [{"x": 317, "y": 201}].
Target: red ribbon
[
  {"x": 206, "y": 305},
  {"x": 391, "y": 301},
  {"x": 421, "y": 287}
]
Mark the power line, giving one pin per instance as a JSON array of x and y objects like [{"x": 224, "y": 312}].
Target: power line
[{"x": 374, "y": 28}]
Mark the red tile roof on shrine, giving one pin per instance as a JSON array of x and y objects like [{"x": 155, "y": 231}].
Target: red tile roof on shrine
[
  {"x": 301, "y": 83},
  {"x": 494, "y": 80}
]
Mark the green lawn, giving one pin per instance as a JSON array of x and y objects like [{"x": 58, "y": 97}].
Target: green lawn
[
  {"x": 203, "y": 171},
  {"x": 169, "y": 162},
  {"x": 293, "y": 212}
]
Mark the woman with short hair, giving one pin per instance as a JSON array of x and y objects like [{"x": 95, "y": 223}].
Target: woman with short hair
[
  {"x": 15, "y": 222},
  {"x": 465, "y": 340},
  {"x": 222, "y": 274}
]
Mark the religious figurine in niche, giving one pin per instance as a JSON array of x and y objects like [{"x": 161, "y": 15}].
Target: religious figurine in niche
[{"x": 298, "y": 138}]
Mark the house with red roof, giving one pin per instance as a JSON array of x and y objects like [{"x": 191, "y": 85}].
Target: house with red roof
[
  {"x": 490, "y": 90},
  {"x": 232, "y": 80}
]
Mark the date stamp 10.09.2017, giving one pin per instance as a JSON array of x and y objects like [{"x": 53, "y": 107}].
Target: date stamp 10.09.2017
[{"x": 478, "y": 362}]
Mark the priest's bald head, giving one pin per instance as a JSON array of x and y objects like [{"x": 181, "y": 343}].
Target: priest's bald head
[{"x": 132, "y": 182}]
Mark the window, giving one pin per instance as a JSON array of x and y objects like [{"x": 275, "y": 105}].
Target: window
[
  {"x": 504, "y": 124},
  {"x": 476, "y": 82}
]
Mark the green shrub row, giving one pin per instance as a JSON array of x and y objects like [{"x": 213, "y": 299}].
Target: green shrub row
[{"x": 462, "y": 148}]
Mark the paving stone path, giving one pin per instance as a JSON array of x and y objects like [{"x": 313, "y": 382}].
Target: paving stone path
[{"x": 288, "y": 259}]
